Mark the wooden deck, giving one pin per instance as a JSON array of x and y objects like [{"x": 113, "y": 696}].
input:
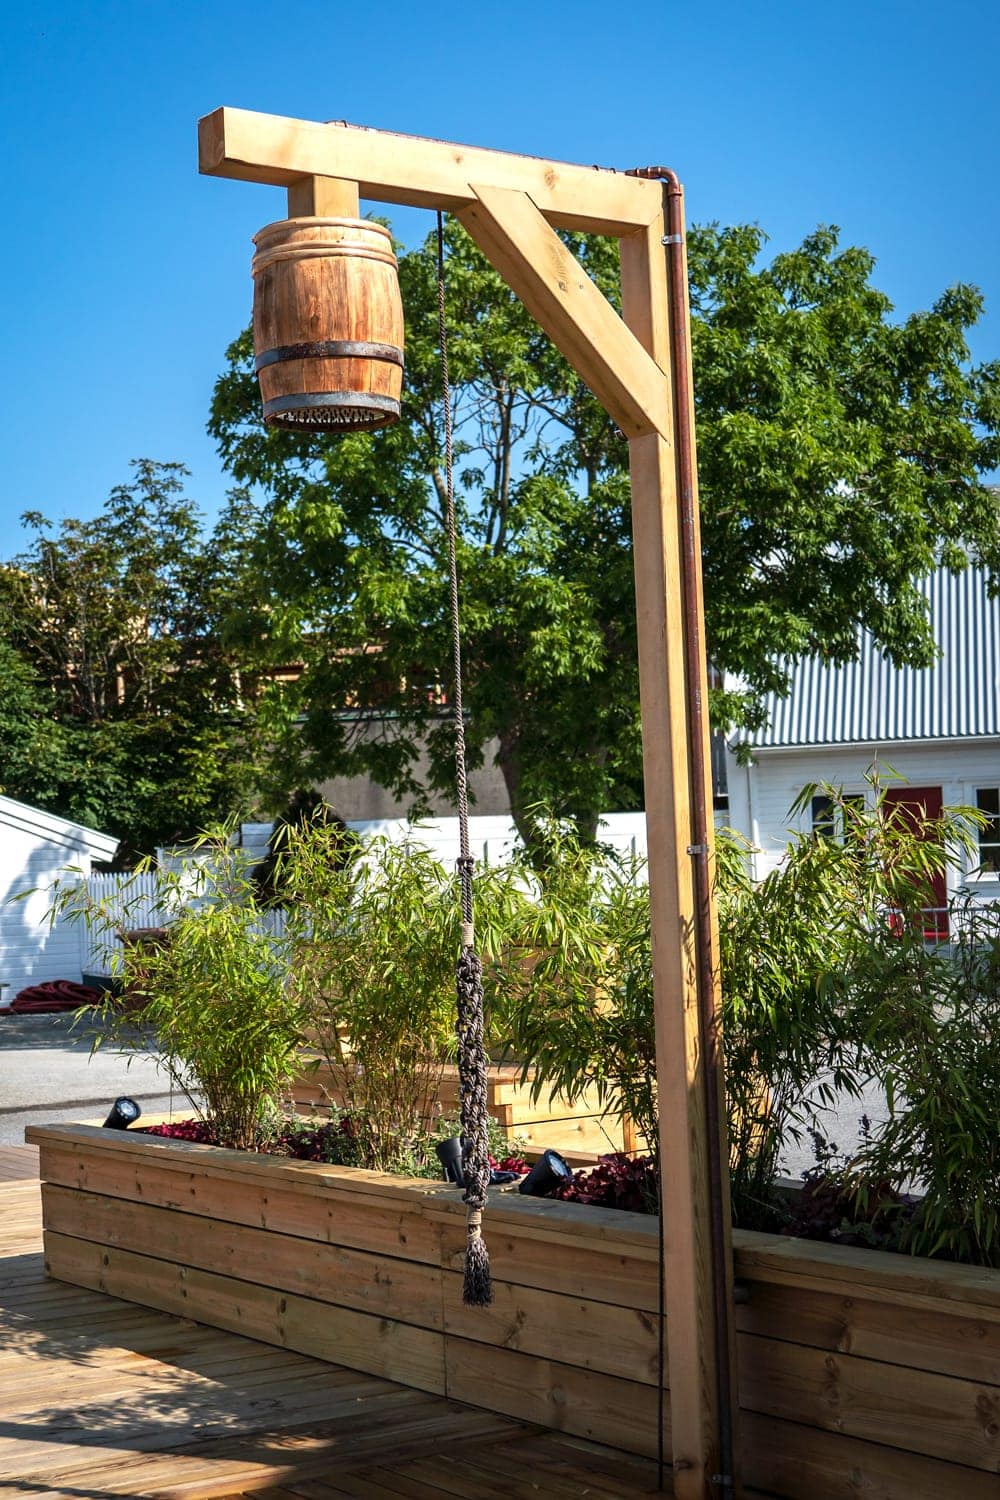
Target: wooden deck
[{"x": 100, "y": 1398}]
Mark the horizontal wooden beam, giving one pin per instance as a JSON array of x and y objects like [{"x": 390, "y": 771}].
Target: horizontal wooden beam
[
  {"x": 408, "y": 169},
  {"x": 567, "y": 304}
]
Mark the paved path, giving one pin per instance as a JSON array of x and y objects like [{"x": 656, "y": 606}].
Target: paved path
[
  {"x": 47, "y": 1075},
  {"x": 841, "y": 1125}
]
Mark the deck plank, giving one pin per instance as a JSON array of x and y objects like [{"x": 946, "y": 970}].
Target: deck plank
[
  {"x": 18, "y": 1163},
  {"x": 100, "y": 1397}
]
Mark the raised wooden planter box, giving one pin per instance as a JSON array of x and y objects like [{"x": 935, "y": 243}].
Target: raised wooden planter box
[
  {"x": 861, "y": 1374},
  {"x": 577, "y": 1127}
]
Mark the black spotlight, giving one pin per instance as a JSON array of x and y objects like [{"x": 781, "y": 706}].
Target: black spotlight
[
  {"x": 550, "y": 1171},
  {"x": 124, "y": 1112},
  {"x": 450, "y": 1156}
]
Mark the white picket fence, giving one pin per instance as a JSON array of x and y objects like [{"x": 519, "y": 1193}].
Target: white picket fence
[{"x": 139, "y": 900}]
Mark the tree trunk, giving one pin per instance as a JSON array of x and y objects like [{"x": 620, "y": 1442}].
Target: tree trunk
[{"x": 525, "y": 815}]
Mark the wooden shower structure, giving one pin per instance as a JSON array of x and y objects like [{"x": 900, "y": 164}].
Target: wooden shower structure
[{"x": 638, "y": 367}]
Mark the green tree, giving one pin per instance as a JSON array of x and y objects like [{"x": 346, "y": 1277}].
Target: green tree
[
  {"x": 123, "y": 706},
  {"x": 841, "y": 455}
]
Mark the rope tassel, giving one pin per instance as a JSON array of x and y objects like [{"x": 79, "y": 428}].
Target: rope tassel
[{"x": 477, "y": 1287}]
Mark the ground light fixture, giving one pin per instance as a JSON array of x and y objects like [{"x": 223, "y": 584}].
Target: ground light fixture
[
  {"x": 550, "y": 1171},
  {"x": 124, "y": 1112},
  {"x": 449, "y": 1153}
]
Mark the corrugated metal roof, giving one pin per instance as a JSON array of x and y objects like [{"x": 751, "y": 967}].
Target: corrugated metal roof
[{"x": 870, "y": 701}]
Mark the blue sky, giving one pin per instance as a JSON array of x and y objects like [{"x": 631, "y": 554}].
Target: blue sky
[{"x": 126, "y": 274}]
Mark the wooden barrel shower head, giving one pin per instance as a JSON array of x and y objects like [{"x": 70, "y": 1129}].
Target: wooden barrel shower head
[{"x": 327, "y": 325}]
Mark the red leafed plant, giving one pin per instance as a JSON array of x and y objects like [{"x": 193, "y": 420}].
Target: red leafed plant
[
  {"x": 618, "y": 1181},
  {"x": 334, "y": 1142},
  {"x": 200, "y": 1131},
  {"x": 510, "y": 1164}
]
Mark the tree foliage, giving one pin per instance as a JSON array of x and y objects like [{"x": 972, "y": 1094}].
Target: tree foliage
[
  {"x": 122, "y": 704},
  {"x": 842, "y": 455}
]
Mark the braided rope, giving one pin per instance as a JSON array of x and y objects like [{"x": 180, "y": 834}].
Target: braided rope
[{"x": 477, "y": 1288}]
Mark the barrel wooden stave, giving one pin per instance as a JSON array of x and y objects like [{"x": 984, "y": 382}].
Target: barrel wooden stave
[{"x": 320, "y": 280}]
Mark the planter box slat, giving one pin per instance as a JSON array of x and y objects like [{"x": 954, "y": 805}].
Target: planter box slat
[
  {"x": 594, "y": 1335},
  {"x": 580, "y": 1125},
  {"x": 946, "y": 1342},
  {"x": 806, "y": 1463},
  {"x": 861, "y": 1373},
  {"x": 621, "y": 1413},
  {"x": 576, "y": 1135},
  {"x": 361, "y": 1341},
  {"x": 310, "y": 1268},
  {"x": 778, "y": 1258},
  {"x": 591, "y": 1335},
  {"x": 362, "y": 1225},
  {"x": 89, "y": 1144},
  {"x": 596, "y": 1270},
  {"x": 86, "y": 1145},
  {"x": 915, "y": 1410}
]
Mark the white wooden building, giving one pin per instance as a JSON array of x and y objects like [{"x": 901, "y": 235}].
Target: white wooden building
[
  {"x": 933, "y": 735},
  {"x": 36, "y": 848}
]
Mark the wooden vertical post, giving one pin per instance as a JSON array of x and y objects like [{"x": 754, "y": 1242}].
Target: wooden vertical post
[
  {"x": 690, "y": 1257},
  {"x": 323, "y": 198}
]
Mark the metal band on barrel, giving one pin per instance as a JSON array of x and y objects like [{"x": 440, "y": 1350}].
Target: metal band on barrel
[
  {"x": 312, "y": 399},
  {"x": 331, "y": 349}
]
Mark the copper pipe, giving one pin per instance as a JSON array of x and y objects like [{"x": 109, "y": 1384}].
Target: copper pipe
[{"x": 697, "y": 709}]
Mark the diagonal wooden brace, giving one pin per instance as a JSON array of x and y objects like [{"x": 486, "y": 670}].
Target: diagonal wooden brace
[{"x": 515, "y": 237}]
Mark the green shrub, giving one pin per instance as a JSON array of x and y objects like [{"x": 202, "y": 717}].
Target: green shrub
[
  {"x": 827, "y": 982},
  {"x": 574, "y": 992},
  {"x": 786, "y": 946},
  {"x": 933, "y": 1031},
  {"x": 582, "y": 1011},
  {"x": 225, "y": 1024},
  {"x": 374, "y": 937}
]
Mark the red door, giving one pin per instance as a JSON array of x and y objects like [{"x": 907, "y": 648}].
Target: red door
[{"x": 921, "y": 804}]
